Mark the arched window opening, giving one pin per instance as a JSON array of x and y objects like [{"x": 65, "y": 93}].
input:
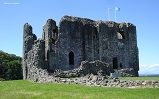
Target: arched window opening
[
  {"x": 71, "y": 58},
  {"x": 115, "y": 63},
  {"x": 120, "y": 35}
]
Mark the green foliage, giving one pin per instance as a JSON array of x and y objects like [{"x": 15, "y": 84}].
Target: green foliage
[
  {"x": 14, "y": 70},
  {"x": 10, "y": 66},
  {"x": 22, "y": 89}
]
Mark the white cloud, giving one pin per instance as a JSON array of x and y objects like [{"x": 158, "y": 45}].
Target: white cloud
[
  {"x": 11, "y": 3},
  {"x": 149, "y": 69}
]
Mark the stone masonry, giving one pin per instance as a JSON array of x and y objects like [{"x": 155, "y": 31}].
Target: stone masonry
[{"x": 64, "y": 47}]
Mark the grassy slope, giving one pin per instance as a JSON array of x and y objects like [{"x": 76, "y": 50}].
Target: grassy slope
[{"x": 21, "y": 89}]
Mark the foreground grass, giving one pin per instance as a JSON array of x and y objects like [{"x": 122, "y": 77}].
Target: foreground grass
[
  {"x": 139, "y": 78},
  {"x": 22, "y": 89}
]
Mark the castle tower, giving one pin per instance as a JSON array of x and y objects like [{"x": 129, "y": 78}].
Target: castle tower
[
  {"x": 80, "y": 39},
  {"x": 50, "y": 34},
  {"x": 28, "y": 42},
  {"x": 118, "y": 45}
]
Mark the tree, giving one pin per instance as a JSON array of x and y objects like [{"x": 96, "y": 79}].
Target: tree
[{"x": 10, "y": 66}]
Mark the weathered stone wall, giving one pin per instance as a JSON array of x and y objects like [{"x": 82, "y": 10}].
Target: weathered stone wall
[
  {"x": 123, "y": 48},
  {"x": 76, "y": 40},
  {"x": 70, "y": 42},
  {"x": 77, "y": 35},
  {"x": 28, "y": 42},
  {"x": 133, "y": 49},
  {"x": 36, "y": 60},
  {"x": 50, "y": 35}
]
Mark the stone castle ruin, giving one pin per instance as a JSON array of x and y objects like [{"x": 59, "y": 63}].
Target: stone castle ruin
[{"x": 79, "y": 41}]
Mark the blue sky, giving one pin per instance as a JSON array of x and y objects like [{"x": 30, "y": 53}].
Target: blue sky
[{"x": 142, "y": 13}]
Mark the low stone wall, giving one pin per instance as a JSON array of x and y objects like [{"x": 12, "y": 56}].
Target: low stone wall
[
  {"x": 95, "y": 80},
  {"x": 89, "y": 73},
  {"x": 94, "y": 67},
  {"x": 42, "y": 76}
]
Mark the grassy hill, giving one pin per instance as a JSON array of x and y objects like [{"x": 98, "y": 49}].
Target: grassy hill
[{"x": 22, "y": 89}]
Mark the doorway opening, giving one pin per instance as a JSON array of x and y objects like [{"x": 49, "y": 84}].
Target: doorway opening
[
  {"x": 71, "y": 58},
  {"x": 121, "y": 65},
  {"x": 115, "y": 63}
]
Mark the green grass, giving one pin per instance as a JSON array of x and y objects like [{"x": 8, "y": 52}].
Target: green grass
[
  {"x": 22, "y": 89},
  {"x": 139, "y": 78}
]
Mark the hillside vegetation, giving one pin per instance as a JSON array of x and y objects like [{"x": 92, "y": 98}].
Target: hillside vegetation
[
  {"x": 22, "y": 89},
  {"x": 10, "y": 66}
]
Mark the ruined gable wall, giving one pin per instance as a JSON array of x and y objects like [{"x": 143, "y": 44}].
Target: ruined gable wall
[{"x": 28, "y": 42}]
